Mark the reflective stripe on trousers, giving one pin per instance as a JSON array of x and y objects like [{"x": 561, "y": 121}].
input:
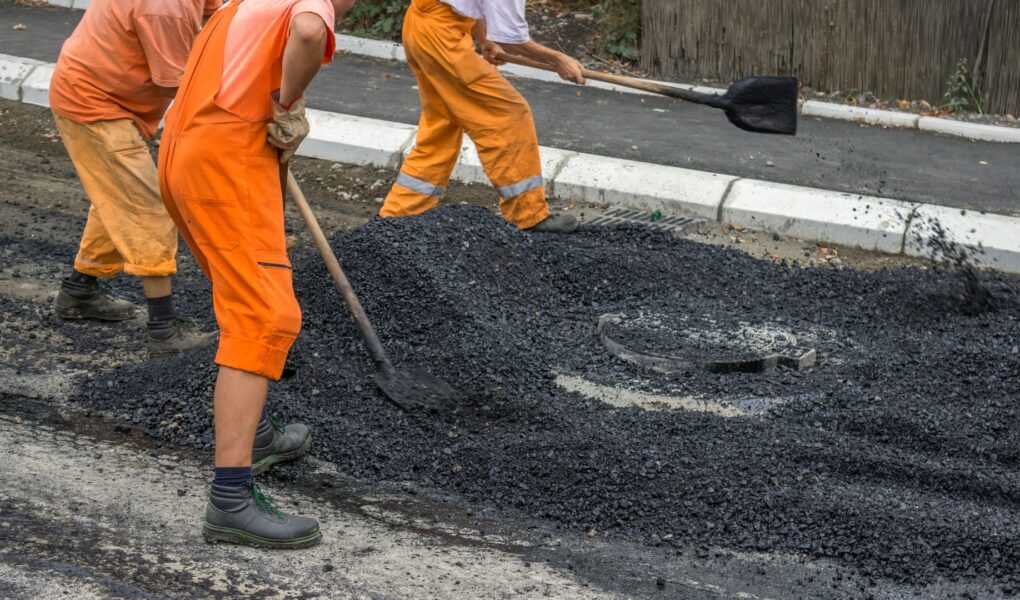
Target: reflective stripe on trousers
[{"x": 422, "y": 187}]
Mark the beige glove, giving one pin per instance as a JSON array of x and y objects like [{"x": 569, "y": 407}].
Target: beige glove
[{"x": 288, "y": 128}]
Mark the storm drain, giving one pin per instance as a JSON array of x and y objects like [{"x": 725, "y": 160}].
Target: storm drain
[
  {"x": 623, "y": 216},
  {"x": 716, "y": 343}
]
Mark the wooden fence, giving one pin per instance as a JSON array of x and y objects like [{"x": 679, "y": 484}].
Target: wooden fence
[{"x": 904, "y": 49}]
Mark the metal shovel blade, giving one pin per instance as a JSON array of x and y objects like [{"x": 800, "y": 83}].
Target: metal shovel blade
[
  {"x": 763, "y": 104},
  {"x": 414, "y": 389}
]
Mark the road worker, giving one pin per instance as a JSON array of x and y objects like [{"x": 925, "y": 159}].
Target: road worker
[
  {"x": 238, "y": 118},
  {"x": 462, "y": 91},
  {"x": 114, "y": 79}
]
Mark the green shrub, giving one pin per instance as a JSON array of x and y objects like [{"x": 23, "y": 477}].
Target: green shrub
[
  {"x": 964, "y": 95},
  {"x": 619, "y": 22},
  {"x": 377, "y": 18},
  {"x": 620, "y": 25}
]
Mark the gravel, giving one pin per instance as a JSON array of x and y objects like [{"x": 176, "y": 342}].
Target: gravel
[{"x": 896, "y": 453}]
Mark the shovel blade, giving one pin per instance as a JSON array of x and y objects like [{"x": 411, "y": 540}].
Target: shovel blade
[
  {"x": 763, "y": 104},
  {"x": 414, "y": 389}
]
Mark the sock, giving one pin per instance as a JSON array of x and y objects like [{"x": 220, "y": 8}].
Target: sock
[
  {"x": 79, "y": 285},
  {"x": 161, "y": 309},
  {"x": 232, "y": 476},
  {"x": 81, "y": 278}
]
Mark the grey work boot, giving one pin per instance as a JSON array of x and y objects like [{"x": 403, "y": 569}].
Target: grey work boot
[
  {"x": 277, "y": 443},
  {"x": 89, "y": 301},
  {"x": 167, "y": 338},
  {"x": 560, "y": 223},
  {"x": 246, "y": 515}
]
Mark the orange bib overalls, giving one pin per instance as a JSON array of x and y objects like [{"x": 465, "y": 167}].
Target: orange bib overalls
[{"x": 220, "y": 180}]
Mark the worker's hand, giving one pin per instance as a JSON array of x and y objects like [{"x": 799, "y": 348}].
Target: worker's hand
[
  {"x": 492, "y": 52},
  {"x": 570, "y": 69},
  {"x": 288, "y": 128}
]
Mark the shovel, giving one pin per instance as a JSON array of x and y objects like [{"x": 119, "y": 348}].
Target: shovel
[
  {"x": 410, "y": 389},
  {"x": 758, "y": 104}
]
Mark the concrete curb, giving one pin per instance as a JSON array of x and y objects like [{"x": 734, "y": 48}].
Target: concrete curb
[
  {"x": 872, "y": 223},
  {"x": 811, "y": 108}
]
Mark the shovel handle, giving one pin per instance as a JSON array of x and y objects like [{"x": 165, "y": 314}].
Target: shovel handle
[
  {"x": 368, "y": 334},
  {"x": 637, "y": 84}
]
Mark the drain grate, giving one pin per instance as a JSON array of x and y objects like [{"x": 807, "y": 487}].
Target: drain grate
[{"x": 623, "y": 216}]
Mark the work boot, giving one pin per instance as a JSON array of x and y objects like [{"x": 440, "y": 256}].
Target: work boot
[
  {"x": 277, "y": 443},
  {"x": 167, "y": 338},
  {"x": 88, "y": 301},
  {"x": 246, "y": 515},
  {"x": 561, "y": 223}
]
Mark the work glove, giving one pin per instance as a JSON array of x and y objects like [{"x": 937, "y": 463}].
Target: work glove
[{"x": 288, "y": 128}]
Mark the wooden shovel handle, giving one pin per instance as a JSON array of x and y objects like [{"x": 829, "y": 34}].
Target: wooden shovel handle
[
  {"x": 368, "y": 334},
  {"x": 637, "y": 84}
]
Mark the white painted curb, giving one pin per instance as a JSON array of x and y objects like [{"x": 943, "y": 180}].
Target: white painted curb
[
  {"x": 13, "y": 71},
  {"x": 994, "y": 238},
  {"x": 811, "y": 108},
  {"x": 871, "y": 116},
  {"x": 974, "y": 131},
  {"x": 868, "y": 222},
  {"x": 35, "y": 89},
  {"x": 356, "y": 140},
  {"x": 846, "y": 219},
  {"x": 604, "y": 180}
]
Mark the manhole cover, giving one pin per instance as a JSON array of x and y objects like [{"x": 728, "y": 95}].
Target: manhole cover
[
  {"x": 621, "y": 216},
  {"x": 684, "y": 343}
]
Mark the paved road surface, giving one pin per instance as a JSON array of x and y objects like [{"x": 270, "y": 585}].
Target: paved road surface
[{"x": 896, "y": 163}]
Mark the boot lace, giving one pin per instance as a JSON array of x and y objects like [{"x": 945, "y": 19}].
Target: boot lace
[
  {"x": 263, "y": 501},
  {"x": 278, "y": 424}
]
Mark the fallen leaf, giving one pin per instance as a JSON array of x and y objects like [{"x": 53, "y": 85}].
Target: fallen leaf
[{"x": 19, "y": 27}]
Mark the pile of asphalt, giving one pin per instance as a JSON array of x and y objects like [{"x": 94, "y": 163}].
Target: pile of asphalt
[{"x": 897, "y": 453}]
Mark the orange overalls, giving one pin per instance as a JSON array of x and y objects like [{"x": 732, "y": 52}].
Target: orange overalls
[
  {"x": 221, "y": 183},
  {"x": 461, "y": 91}
]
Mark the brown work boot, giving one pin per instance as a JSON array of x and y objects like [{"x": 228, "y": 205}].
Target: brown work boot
[
  {"x": 560, "y": 223},
  {"x": 167, "y": 338},
  {"x": 89, "y": 301}
]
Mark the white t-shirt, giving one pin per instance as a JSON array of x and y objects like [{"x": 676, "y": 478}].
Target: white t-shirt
[{"x": 504, "y": 19}]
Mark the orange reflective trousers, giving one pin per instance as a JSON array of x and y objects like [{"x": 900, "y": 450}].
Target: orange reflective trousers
[
  {"x": 460, "y": 92},
  {"x": 221, "y": 183}
]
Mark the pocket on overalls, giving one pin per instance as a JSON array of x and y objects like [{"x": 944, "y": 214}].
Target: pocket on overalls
[{"x": 278, "y": 289}]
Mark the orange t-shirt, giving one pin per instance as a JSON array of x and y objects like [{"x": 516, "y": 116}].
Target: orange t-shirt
[
  {"x": 119, "y": 56},
  {"x": 253, "y": 56}
]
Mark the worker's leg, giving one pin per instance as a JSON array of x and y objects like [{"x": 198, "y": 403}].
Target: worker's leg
[
  {"x": 425, "y": 173},
  {"x": 229, "y": 206},
  {"x": 80, "y": 296},
  {"x": 500, "y": 123},
  {"x": 129, "y": 228},
  {"x": 237, "y": 410}
]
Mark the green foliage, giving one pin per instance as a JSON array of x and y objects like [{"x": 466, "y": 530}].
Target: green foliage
[
  {"x": 620, "y": 24},
  {"x": 963, "y": 94},
  {"x": 377, "y": 18}
]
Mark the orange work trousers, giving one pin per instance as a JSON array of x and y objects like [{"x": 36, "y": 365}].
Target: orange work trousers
[
  {"x": 221, "y": 183},
  {"x": 127, "y": 228},
  {"x": 460, "y": 92}
]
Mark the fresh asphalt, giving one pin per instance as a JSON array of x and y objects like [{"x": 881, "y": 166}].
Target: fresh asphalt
[{"x": 849, "y": 157}]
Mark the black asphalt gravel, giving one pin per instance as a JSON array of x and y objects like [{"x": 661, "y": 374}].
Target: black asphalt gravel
[{"x": 897, "y": 454}]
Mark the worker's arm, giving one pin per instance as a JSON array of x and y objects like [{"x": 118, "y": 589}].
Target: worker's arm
[
  {"x": 511, "y": 23},
  {"x": 568, "y": 67},
  {"x": 302, "y": 56}
]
